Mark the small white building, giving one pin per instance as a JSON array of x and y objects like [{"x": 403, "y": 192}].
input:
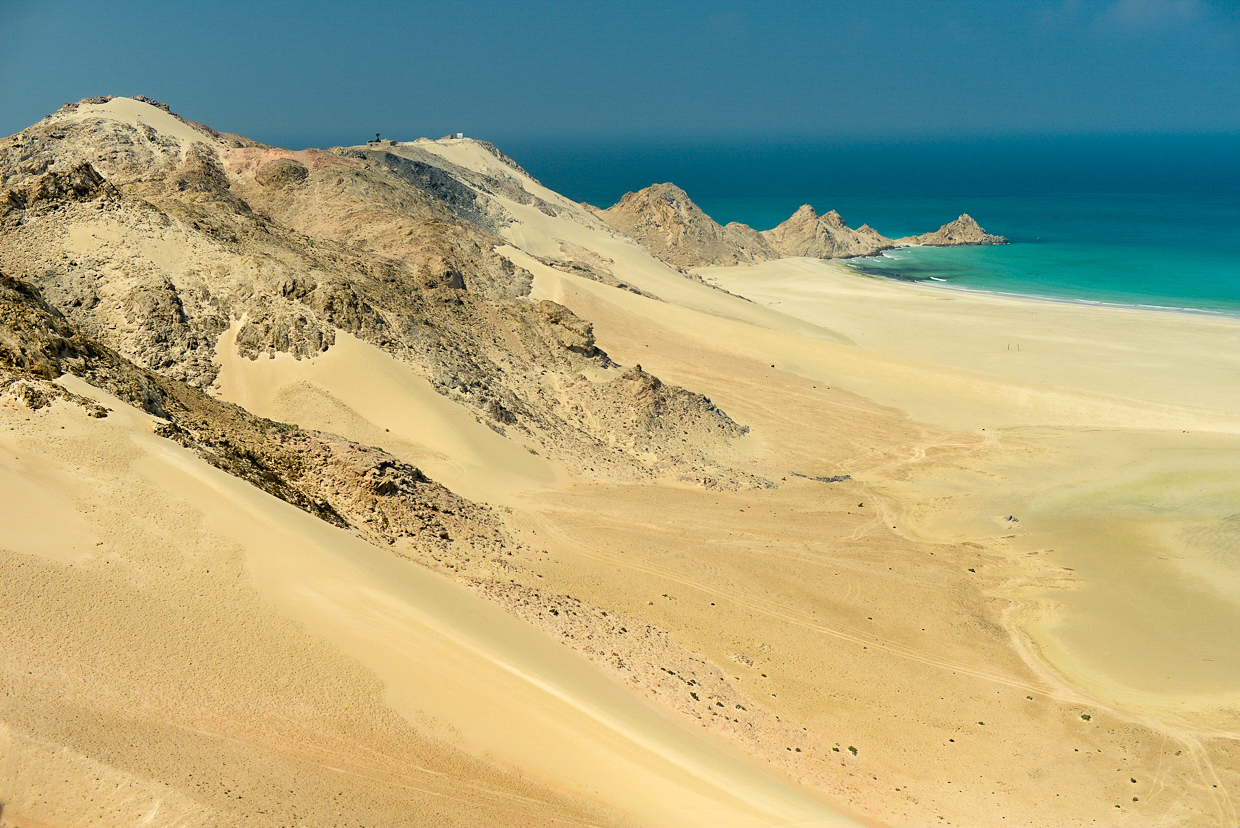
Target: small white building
[{"x": 460, "y": 135}]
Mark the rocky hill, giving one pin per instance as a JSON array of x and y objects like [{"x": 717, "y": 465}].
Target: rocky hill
[
  {"x": 670, "y": 225},
  {"x": 153, "y": 236},
  {"x": 806, "y": 233}
]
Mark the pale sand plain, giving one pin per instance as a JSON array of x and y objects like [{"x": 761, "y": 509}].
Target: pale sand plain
[
  {"x": 889, "y": 645},
  {"x": 900, "y": 387},
  {"x": 1145, "y": 517},
  {"x": 1143, "y": 630}
]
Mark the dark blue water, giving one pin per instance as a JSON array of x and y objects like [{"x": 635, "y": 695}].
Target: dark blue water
[{"x": 1149, "y": 220}]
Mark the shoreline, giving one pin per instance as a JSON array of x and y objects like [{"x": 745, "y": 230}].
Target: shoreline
[
  {"x": 948, "y": 285},
  {"x": 1041, "y": 465},
  {"x": 1015, "y": 360}
]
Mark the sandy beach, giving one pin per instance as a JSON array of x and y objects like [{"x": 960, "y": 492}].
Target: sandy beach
[
  {"x": 965, "y": 560},
  {"x": 1143, "y": 516}
]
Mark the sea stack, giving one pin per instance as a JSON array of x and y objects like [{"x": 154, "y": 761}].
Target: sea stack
[
  {"x": 664, "y": 220},
  {"x": 963, "y": 231}
]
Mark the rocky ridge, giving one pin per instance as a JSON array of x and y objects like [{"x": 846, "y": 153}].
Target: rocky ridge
[
  {"x": 806, "y": 233},
  {"x": 665, "y": 221},
  {"x": 152, "y": 236},
  {"x": 673, "y": 228}
]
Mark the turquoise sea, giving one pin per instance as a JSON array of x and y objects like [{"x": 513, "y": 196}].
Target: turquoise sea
[{"x": 1142, "y": 220}]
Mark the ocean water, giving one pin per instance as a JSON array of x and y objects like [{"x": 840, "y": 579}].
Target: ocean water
[{"x": 1140, "y": 220}]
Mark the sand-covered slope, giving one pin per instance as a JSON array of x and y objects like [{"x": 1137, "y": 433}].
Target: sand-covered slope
[
  {"x": 133, "y": 289},
  {"x": 179, "y": 635},
  {"x": 169, "y": 240},
  {"x": 198, "y": 652},
  {"x": 383, "y": 484}
]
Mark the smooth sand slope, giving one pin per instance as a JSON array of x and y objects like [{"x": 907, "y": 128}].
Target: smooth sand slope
[
  {"x": 449, "y": 662},
  {"x": 362, "y": 393}
]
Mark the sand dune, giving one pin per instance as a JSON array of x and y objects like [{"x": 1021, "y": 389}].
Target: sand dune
[
  {"x": 362, "y": 393},
  {"x": 137, "y": 113},
  {"x": 445, "y": 657},
  {"x": 951, "y": 581}
]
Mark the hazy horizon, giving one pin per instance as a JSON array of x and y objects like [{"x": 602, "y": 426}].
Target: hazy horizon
[{"x": 324, "y": 73}]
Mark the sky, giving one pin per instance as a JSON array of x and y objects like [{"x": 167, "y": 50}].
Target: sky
[{"x": 316, "y": 73}]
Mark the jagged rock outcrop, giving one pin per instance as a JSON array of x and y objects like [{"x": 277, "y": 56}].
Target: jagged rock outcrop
[
  {"x": 666, "y": 222},
  {"x": 664, "y": 219},
  {"x": 81, "y": 183},
  {"x": 650, "y": 401},
  {"x": 282, "y": 172},
  {"x": 570, "y": 330},
  {"x": 806, "y": 233},
  {"x": 962, "y": 231}
]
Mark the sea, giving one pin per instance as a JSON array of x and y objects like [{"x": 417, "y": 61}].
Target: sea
[{"x": 1145, "y": 220}]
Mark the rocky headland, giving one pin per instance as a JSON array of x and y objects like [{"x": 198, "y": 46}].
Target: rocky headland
[
  {"x": 961, "y": 232},
  {"x": 808, "y": 234},
  {"x": 665, "y": 220}
]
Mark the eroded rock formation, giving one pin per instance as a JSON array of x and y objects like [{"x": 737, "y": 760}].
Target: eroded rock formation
[
  {"x": 666, "y": 222},
  {"x": 664, "y": 219},
  {"x": 962, "y": 231},
  {"x": 806, "y": 233}
]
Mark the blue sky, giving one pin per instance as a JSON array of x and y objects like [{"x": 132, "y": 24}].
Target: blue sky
[{"x": 320, "y": 73}]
